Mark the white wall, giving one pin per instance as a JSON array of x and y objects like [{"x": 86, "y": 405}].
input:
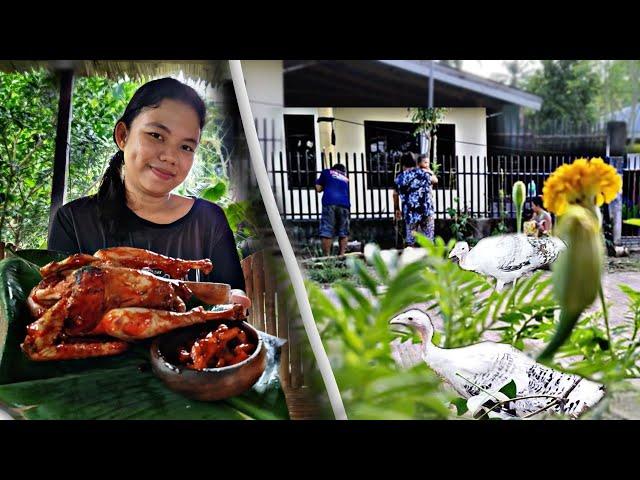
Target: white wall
[
  {"x": 265, "y": 87},
  {"x": 471, "y": 139}
]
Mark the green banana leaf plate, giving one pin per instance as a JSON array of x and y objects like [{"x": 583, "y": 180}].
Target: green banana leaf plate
[{"x": 119, "y": 387}]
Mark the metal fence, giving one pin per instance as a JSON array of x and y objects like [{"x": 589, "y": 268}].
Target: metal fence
[
  {"x": 631, "y": 193},
  {"x": 478, "y": 186}
]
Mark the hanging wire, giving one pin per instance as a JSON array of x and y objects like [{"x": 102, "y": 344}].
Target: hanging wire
[{"x": 386, "y": 129}]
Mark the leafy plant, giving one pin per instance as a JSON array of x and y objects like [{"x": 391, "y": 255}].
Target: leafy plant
[
  {"x": 353, "y": 323},
  {"x": 328, "y": 271},
  {"x": 502, "y": 226},
  {"x": 460, "y": 226},
  {"x": 427, "y": 120}
]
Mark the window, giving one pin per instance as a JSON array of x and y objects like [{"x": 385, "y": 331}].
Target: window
[
  {"x": 385, "y": 143},
  {"x": 446, "y": 154},
  {"x": 300, "y": 137}
]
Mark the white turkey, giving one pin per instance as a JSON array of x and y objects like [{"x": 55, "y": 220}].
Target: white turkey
[
  {"x": 392, "y": 258},
  {"x": 481, "y": 370},
  {"x": 389, "y": 257},
  {"x": 508, "y": 257}
]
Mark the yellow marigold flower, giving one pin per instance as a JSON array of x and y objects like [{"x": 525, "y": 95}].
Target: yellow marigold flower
[{"x": 584, "y": 182}]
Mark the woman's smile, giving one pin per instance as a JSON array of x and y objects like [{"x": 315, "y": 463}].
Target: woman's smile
[{"x": 161, "y": 173}]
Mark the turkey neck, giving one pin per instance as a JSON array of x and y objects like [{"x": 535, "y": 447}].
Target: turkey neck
[
  {"x": 463, "y": 262},
  {"x": 431, "y": 354}
]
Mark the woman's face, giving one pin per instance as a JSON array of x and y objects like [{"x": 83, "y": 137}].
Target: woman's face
[{"x": 159, "y": 147}]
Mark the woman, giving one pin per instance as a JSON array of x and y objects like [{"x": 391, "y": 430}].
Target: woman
[
  {"x": 413, "y": 185},
  {"x": 543, "y": 219},
  {"x": 157, "y": 137}
]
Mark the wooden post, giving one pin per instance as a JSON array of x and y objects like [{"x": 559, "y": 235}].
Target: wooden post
[{"x": 63, "y": 131}]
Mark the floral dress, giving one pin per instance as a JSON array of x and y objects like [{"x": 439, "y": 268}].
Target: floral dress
[{"x": 414, "y": 188}]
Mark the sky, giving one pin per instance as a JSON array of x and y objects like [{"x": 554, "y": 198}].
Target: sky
[{"x": 486, "y": 68}]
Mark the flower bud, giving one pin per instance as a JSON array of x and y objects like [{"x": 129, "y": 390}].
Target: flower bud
[
  {"x": 577, "y": 272},
  {"x": 518, "y": 195}
]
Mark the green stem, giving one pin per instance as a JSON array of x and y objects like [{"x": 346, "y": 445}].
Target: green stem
[
  {"x": 565, "y": 327},
  {"x": 605, "y": 314}
]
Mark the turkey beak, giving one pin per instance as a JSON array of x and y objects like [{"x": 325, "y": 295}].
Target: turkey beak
[{"x": 398, "y": 325}]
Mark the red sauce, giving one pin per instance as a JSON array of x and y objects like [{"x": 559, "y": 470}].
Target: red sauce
[{"x": 219, "y": 348}]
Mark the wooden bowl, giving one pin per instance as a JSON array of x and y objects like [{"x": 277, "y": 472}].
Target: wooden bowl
[{"x": 211, "y": 383}]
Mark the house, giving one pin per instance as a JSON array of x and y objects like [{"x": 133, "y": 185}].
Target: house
[{"x": 311, "y": 113}]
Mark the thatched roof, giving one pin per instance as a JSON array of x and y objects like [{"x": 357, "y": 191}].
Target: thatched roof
[{"x": 211, "y": 71}]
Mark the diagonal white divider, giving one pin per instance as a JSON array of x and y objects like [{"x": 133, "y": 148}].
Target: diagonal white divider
[{"x": 291, "y": 264}]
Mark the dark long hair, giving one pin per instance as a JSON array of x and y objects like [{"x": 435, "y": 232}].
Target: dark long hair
[{"x": 111, "y": 197}]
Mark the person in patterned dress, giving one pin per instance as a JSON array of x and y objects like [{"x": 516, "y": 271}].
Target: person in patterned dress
[{"x": 413, "y": 187}]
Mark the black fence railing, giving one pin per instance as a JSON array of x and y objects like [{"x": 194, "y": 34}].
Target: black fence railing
[
  {"x": 631, "y": 194},
  {"x": 478, "y": 186}
]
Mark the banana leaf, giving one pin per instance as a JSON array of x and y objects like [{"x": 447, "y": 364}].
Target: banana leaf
[{"x": 119, "y": 387}]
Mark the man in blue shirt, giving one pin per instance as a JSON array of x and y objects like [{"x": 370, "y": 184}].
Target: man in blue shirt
[{"x": 334, "y": 183}]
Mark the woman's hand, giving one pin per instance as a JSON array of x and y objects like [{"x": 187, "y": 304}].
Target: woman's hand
[
  {"x": 238, "y": 296},
  {"x": 398, "y": 214}
]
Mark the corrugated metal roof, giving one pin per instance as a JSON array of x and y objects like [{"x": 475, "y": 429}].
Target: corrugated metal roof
[{"x": 470, "y": 82}]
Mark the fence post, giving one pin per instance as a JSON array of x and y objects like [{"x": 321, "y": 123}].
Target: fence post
[{"x": 616, "y": 141}]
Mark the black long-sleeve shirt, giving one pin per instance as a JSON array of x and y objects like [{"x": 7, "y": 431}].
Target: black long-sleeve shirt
[{"x": 202, "y": 233}]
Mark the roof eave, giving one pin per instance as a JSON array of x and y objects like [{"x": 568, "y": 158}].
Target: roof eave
[{"x": 462, "y": 80}]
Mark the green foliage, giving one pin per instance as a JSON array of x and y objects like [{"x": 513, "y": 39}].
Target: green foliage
[
  {"x": 28, "y": 106},
  {"x": 240, "y": 215},
  {"x": 634, "y": 148},
  {"x": 353, "y": 323},
  {"x": 517, "y": 72},
  {"x": 568, "y": 89},
  {"x": 427, "y": 119},
  {"x": 502, "y": 226},
  {"x": 461, "y": 227},
  {"x": 630, "y": 212},
  {"x": 28, "y": 115},
  {"x": 215, "y": 192},
  {"x": 210, "y": 168},
  {"x": 328, "y": 271},
  {"x": 98, "y": 103},
  {"x": 354, "y": 327},
  {"x": 617, "y": 86},
  {"x": 510, "y": 389}
]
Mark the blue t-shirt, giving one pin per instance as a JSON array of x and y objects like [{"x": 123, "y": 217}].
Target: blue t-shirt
[{"x": 335, "y": 188}]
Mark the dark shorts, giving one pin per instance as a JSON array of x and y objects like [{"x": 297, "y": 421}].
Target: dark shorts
[{"x": 334, "y": 221}]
